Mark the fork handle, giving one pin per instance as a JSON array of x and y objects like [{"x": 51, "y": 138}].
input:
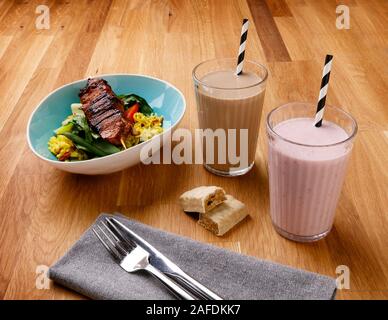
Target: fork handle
[{"x": 171, "y": 285}]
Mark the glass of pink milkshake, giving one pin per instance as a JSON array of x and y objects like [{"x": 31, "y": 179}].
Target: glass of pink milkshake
[{"x": 307, "y": 168}]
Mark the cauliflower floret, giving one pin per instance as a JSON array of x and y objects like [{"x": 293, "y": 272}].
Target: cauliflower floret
[
  {"x": 63, "y": 148},
  {"x": 131, "y": 141},
  {"x": 148, "y": 133}
]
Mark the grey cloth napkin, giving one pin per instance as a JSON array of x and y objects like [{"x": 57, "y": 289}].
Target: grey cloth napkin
[{"x": 89, "y": 269}]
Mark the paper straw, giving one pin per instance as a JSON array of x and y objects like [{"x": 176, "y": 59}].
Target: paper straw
[
  {"x": 241, "y": 50},
  {"x": 323, "y": 91}
]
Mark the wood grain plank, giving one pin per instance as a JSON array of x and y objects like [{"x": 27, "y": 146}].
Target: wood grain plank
[
  {"x": 48, "y": 69},
  {"x": 14, "y": 16},
  {"x": 279, "y": 8},
  {"x": 271, "y": 41},
  {"x": 17, "y": 66},
  {"x": 297, "y": 46},
  {"x": 346, "y": 2},
  {"x": 4, "y": 43}
]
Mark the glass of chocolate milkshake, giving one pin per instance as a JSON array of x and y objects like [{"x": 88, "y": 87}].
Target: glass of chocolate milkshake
[{"x": 229, "y": 110}]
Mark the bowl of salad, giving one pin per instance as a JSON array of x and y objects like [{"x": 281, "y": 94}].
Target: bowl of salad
[{"x": 101, "y": 125}]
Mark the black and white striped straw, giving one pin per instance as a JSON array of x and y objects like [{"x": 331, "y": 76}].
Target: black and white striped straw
[
  {"x": 241, "y": 50},
  {"x": 323, "y": 91}
]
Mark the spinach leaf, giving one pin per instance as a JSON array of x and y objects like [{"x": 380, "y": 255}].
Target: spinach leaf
[
  {"x": 131, "y": 99},
  {"x": 82, "y": 124},
  {"x": 105, "y": 146},
  {"x": 85, "y": 145},
  {"x": 98, "y": 148}
]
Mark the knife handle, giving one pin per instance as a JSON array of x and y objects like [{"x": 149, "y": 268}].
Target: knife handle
[
  {"x": 171, "y": 285},
  {"x": 194, "y": 287}
]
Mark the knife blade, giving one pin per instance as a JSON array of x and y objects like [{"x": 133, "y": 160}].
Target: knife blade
[{"x": 165, "y": 265}]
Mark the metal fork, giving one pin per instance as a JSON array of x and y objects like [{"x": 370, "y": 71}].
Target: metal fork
[{"x": 131, "y": 257}]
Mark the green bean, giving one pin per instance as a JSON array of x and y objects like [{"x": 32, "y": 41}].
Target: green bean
[
  {"x": 88, "y": 147},
  {"x": 106, "y": 146}
]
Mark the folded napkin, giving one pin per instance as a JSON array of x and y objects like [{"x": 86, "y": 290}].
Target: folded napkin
[{"x": 89, "y": 269}]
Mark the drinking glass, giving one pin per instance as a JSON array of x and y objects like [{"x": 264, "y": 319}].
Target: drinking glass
[
  {"x": 305, "y": 180},
  {"x": 229, "y": 114}
]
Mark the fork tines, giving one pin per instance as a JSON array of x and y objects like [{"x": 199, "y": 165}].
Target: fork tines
[{"x": 112, "y": 239}]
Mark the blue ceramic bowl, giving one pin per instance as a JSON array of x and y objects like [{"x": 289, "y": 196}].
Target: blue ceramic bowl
[{"x": 165, "y": 99}]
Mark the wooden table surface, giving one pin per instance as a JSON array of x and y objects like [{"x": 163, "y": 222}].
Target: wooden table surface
[{"x": 43, "y": 211}]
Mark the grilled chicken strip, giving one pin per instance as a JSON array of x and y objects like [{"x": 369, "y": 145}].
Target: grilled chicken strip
[{"x": 104, "y": 111}]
